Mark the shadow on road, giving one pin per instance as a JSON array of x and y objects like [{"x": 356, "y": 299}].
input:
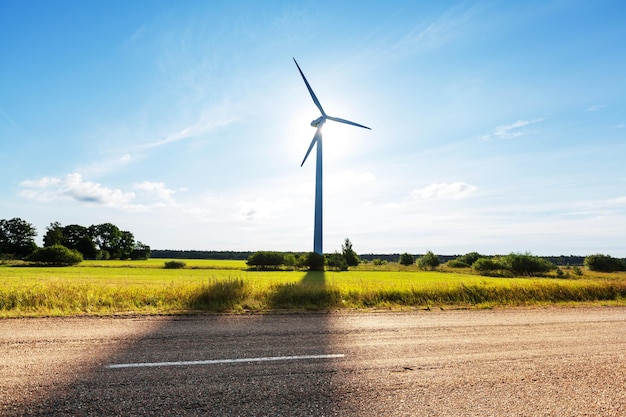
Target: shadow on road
[{"x": 195, "y": 365}]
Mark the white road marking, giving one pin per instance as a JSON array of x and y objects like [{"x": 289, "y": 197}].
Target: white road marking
[{"x": 221, "y": 361}]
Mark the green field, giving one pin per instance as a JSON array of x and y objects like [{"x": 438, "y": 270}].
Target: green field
[{"x": 146, "y": 287}]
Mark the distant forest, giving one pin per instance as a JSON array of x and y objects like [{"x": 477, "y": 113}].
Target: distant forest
[{"x": 562, "y": 260}]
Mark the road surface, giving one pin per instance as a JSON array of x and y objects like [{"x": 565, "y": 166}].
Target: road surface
[{"x": 517, "y": 362}]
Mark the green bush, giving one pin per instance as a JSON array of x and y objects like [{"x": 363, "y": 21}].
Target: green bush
[
  {"x": 56, "y": 255},
  {"x": 455, "y": 263},
  {"x": 470, "y": 258},
  {"x": 604, "y": 263},
  {"x": 429, "y": 261},
  {"x": 526, "y": 265},
  {"x": 290, "y": 260},
  {"x": 406, "y": 259},
  {"x": 266, "y": 260},
  {"x": 174, "y": 265},
  {"x": 314, "y": 261},
  {"x": 486, "y": 266},
  {"x": 337, "y": 262}
]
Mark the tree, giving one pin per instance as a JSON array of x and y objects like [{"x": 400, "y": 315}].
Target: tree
[
  {"x": 265, "y": 260},
  {"x": 86, "y": 246},
  {"x": 140, "y": 251},
  {"x": 17, "y": 237},
  {"x": 126, "y": 244},
  {"x": 54, "y": 235},
  {"x": 470, "y": 258},
  {"x": 429, "y": 261},
  {"x": 526, "y": 264},
  {"x": 314, "y": 261},
  {"x": 406, "y": 259},
  {"x": 352, "y": 259},
  {"x": 78, "y": 237},
  {"x": 56, "y": 255},
  {"x": 604, "y": 263},
  {"x": 289, "y": 260},
  {"x": 107, "y": 237},
  {"x": 486, "y": 266},
  {"x": 74, "y": 233},
  {"x": 337, "y": 261}
]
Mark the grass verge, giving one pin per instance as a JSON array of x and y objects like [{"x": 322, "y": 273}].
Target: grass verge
[{"x": 119, "y": 289}]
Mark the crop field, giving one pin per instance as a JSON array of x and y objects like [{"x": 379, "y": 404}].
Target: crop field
[{"x": 146, "y": 287}]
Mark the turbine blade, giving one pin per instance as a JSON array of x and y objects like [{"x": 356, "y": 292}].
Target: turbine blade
[
  {"x": 348, "y": 122},
  {"x": 318, "y": 133},
  {"x": 315, "y": 100}
]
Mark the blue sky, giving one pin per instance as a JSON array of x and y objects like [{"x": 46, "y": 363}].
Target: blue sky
[{"x": 497, "y": 126}]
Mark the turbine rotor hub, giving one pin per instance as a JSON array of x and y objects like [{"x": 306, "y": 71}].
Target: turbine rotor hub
[{"x": 318, "y": 121}]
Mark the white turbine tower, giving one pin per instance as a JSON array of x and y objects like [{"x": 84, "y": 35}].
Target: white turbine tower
[{"x": 318, "y": 123}]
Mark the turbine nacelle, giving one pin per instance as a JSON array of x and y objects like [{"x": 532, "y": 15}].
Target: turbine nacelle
[{"x": 318, "y": 121}]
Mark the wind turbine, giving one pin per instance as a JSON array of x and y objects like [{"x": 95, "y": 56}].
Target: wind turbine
[{"x": 318, "y": 123}]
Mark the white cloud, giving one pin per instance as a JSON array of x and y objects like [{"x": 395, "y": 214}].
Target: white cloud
[
  {"x": 444, "y": 191},
  {"x": 157, "y": 189},
  {"x": 74, "y": 187},
  {"x": 512, "y": 130}
]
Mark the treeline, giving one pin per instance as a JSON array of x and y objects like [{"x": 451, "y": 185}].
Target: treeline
[
  {"x": 200, "y": 254},
  {"x": 101, "y": 241},
  {"x": 525, "y": 264},
  {"x": 563, "y": 260}
]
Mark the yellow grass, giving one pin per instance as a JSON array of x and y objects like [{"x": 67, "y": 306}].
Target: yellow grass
[{"x": 145, "y": 287}]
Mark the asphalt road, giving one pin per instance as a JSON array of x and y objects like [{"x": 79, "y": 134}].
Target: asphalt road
[{"x": 519, "y": 362}]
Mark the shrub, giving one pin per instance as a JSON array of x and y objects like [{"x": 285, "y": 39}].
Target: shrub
[
  {"x": 314, "y": 261},
  {"x": 103, "y": 255},
  {"x": 470, "y": 258},
  {"x": 455, "y": 263},
  {"x": 290, "y": 261},
  {"x": 56, "y": 255},
  {"x": 526, "y": 264},
  {"x": 337, "y": 262},
  {"x": 604, "y": 263},
  {"x": 379, "y": 262},
  {"x": 406, "y": 259},
  {"x": 174, "y": 265},
  {"x": 265, "y": 260},
  {"x": 486, "y": 266},
  {"x": 429, "y": 261}
]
